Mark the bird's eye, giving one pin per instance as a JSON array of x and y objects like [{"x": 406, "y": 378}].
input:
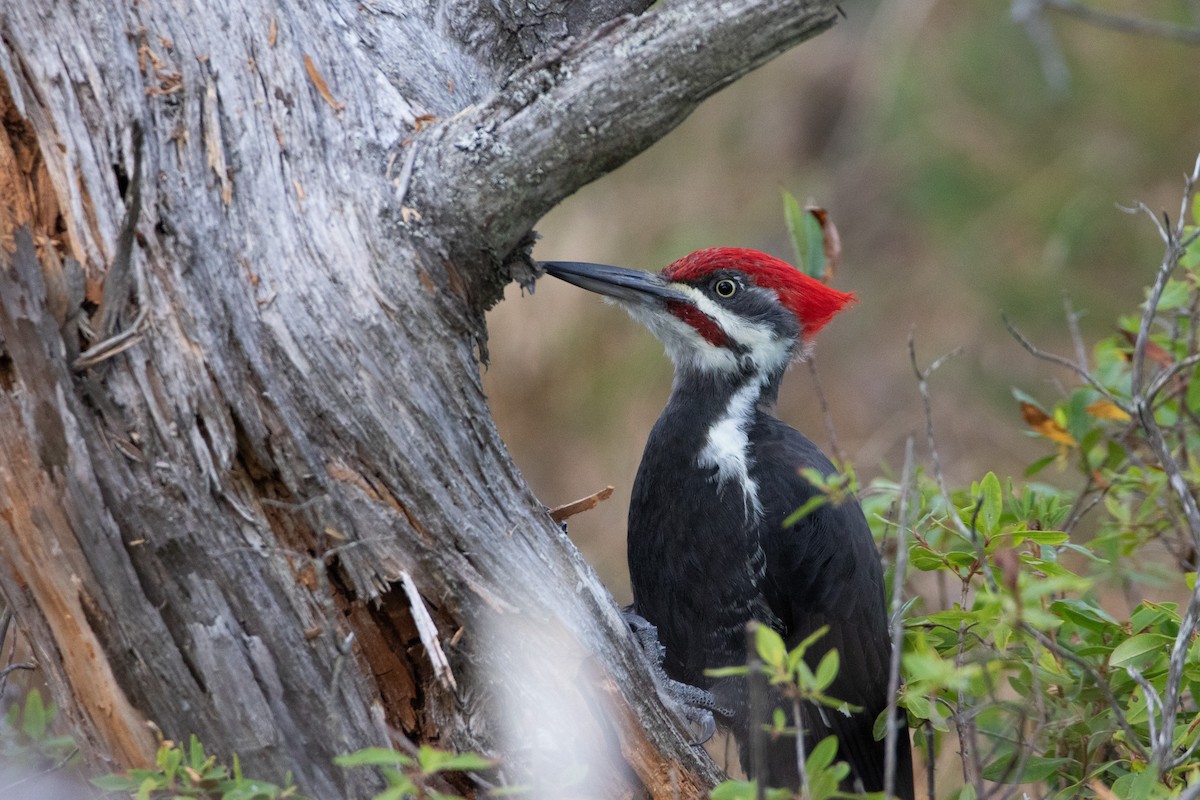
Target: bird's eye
[{"x": 725, "y": 287}]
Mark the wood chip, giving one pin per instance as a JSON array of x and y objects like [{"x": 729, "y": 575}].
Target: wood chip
[
  {"x": 562, "y": 512},
  {"x": 318, "y": 81}
]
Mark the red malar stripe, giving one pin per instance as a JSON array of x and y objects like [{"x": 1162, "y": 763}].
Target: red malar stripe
[{"x": 702, "y": 322}]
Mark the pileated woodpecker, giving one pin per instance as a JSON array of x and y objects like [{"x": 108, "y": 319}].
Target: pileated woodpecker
[{"x": 708, "y": 550}]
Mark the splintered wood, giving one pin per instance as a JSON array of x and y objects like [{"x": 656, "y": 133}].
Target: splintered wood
[
  {"x": 318, "y": 81},
  {"x": 559, "y": 513}
]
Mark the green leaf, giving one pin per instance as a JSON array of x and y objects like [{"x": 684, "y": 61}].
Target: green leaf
[
  {"x": 115, "y": 783},
  {"x": 1022, "y": 397},
  {"x": 827, "y": 670},
  {"x": 808, "y": 240},
  {"x": 464, "y": 762},
  {"x": 810, "y": 639},
  {"x": 735, "y": 790},
  {"x": 1037, "y": 769},
  {"x": 810, "y": 505},
  {"x": 196, "y": 757},
  {"x": 992, "y": 502},
  {"x": 403, "y": 790},
  {"x": 727, "y": 672},
  {"x": 147, "y": 786},
  {"x": 1040, "y": 537},
  {"x": 769, "y": 645},
  {"x": 1133, "y": 651},
  {"x": 1135, "y": 785},
  {"x": 34, "y": 719},
  {"x": 822, "y": 755},
  {"x": 1149, "y": 614},
  {"x": 1084, "y": 615},
  {"x": 1176, "y": 294},
  {"x": 374, "y": 756},
  {"x": 430, "y": 758},
  {"x": 924, "y": 559},
  {"x": 1193, "y": 389},
  {"x": 965, "y": 793},
  {"x": 1040, "y": 464}
]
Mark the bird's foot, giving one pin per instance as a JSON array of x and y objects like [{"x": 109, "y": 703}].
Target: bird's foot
[{"x": 695, "y": 706}]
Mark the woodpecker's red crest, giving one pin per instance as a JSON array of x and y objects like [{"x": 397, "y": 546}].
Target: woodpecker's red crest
[{"x": 813, "y": 303}]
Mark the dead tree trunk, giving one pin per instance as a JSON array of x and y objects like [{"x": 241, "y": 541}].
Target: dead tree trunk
[{"x": 249, "y": 485}]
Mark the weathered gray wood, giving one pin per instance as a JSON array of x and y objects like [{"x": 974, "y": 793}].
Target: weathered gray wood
[{"x": 286, "y": 222}]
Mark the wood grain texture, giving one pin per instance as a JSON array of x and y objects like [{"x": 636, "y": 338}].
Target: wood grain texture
[{"x": 205, "y": 525}]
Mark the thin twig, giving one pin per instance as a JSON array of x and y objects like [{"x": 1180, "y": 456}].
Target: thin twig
[
  {"x": 1054, "y": 358},
  {"x": 756, "y": 686},
  {"x": 1121, "y": 24},
  {"x": 838, "y": 456},
  {"x": 897, "y": 634},
  {"x": 19, "y": 665},
  {"x": 1166, "y": 375},
  {"x": 1076, "y": 335},
  {"x": 62, "y": 762},
  {"x": 1027, "y": 743},
  {"x": 801, "y": 756},
  {"x": 1029, "y": 14},
  {"x": 1132, "y": 739},
  {"x": 1082, "y": 506},
  {"x": 968, "y": 533},
  {"x": 930, "y": 762},
  {"x": 1154, "y": 703},
  {"x": 963, "y": 725},
  {"x": 1163, "y": 749},
  {"x": 114, "y": 345}
]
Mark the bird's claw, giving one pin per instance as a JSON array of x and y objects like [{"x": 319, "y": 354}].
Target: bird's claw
[{"x": 695, "y": 706}]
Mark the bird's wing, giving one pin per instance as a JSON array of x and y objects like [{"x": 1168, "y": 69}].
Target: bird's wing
[{"x": 824, "y": 570}]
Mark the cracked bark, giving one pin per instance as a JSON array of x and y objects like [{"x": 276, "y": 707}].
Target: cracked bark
[{"x": 287, "y": 222}]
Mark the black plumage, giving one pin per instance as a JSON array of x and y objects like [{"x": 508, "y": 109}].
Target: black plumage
[{"x": 708, "y": 550}]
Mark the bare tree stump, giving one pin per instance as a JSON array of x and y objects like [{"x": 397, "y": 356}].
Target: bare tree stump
[{"x": 249, "y": 484}]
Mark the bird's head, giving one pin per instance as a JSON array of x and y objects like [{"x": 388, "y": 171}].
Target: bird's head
[{"x": 719, "y": 310}]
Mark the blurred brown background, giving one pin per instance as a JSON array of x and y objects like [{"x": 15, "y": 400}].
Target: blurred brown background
[{"x": 965, "y": 181}]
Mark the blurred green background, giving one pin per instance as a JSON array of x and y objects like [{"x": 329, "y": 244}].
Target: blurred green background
[{"x": 964, "y": 182}]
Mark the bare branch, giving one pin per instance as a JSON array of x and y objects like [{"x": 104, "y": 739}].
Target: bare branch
[
  {"x": 1142, "y": 402},
  {"x": 1121, "y": 24},
  {"x": 1154, "y": 703},
  {"x": 1030, "y": 15},
  {"x": 898, "y": 575},
  {"x": 1166, "y": 375},
  {"x": 1054, "y": 358},
  {"x": 626, "y": 85}
]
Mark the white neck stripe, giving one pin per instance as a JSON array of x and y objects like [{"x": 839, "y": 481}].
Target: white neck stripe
[{"x": 728, "y": 446}]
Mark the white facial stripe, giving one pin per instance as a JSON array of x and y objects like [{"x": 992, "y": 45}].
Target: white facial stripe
[
  {"x": 769, "y": 351},
  {"x": 684, "y": 344},
  {"x": 727, "y": 447}
]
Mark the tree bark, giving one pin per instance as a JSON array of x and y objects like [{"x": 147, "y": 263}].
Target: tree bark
[{"x": 249, "y": 484}]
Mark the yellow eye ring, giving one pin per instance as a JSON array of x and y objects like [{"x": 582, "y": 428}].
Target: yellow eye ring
[{"x": 725, "y": 288}]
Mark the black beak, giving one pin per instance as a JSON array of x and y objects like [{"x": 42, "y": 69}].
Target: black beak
[{"x": 630, "y": 285}]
